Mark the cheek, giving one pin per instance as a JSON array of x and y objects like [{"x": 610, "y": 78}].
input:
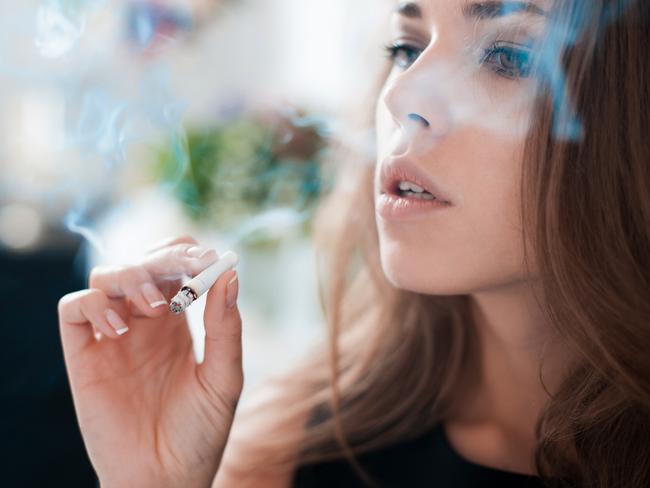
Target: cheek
[{"x": 464, "y": 249}]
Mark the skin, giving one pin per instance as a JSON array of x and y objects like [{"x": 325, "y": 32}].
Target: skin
[
  {"x": 149, "y": 414},
  {"x": 167, "y": 425},
  {"x": 474, "y": 247}
]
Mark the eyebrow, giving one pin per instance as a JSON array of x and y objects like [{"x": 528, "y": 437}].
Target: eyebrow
[
  {"x": 409, "y": 10},
  {"x": 494, "y": 9},
  {"x": 477, "y": 10}
]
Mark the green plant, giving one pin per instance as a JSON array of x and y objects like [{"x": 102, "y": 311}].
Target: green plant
[{"x": 247, "y": 165}]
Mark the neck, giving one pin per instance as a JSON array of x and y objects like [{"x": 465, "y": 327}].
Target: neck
[{"x": 513, "y": 339}]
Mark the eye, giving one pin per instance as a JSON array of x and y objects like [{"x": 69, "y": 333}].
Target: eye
[
  {"x": 402, "y": 55},
  {"x": 509, "y": 60}
]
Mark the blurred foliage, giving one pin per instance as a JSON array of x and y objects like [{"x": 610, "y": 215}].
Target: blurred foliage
[{"x": 247, "y": 165}]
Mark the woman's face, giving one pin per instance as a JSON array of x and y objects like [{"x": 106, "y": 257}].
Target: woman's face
[{"x": 456, "y": 108}]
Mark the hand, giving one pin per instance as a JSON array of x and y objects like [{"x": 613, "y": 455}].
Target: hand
[{"x": 149, "y": 414}]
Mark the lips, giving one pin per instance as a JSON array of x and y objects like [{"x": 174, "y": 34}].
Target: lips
[{"x": 394, "y": 170}]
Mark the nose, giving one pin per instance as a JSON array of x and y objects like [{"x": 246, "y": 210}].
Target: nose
[
  {"x": 419, "y": 118},
  {"x": 416, "y": 100}
]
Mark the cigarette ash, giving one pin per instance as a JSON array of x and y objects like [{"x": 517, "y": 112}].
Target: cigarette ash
[{"x": 182, "y": 300}]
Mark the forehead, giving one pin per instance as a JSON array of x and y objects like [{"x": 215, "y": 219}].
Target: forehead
[{"x": 471, "y": 17}]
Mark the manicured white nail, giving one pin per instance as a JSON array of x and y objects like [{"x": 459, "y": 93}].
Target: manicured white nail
[
  {"x": 116, "y": 322},
  {"x": 232, "y": 290},
  {"x": 198, "y": 252}
]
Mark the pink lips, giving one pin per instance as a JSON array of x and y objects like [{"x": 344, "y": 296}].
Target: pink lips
[
  {"x": 391, "y": 205},
  {"x": 395, "y": 170}
]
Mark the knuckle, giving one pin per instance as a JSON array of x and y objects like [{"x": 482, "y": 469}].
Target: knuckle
[
  {"x": 134, "y": 274},
  {"x": 232, "y": 336},
  {"x": 82, "y": 300},
  {"x": 186, "y": 238},
  {"x": 170, "y": 241},
  {"x": 224, "y": 399},
  {"x": 105, "y": 277},
  {"x": 64, "y": 303},
  {"x": 233, "y": 394},
  {"x": 183, "y": 247},
  {"x": 95, "y": 273},
  {"x": 75, "y": 296},
  {"x": 179, "y": 251},
  {"x": 225, "y": 338},
  {"x": 92, "y": 296}
]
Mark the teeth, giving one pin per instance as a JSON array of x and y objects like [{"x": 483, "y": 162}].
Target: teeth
[
  {"x": 407, "y": 185},
  {"x": 409, "y": 189},
  {"x": 419, "y": 196}
]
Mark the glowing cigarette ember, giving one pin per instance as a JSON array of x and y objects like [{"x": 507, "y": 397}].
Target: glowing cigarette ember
[{"x": 202, "y": 282}]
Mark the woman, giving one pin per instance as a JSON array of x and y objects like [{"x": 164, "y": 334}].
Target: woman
[{"x": 495, "y": 334}]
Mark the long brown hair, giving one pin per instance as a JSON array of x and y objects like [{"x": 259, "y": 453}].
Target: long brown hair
[{"x": 393, "y": 357}]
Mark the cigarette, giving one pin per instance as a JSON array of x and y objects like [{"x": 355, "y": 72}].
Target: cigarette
[{"x": 202, "y": 282}]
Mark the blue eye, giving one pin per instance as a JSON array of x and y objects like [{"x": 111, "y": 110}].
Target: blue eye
[
  {"x": 508, "y": 59},
  {"x": 402, "y": 55}
]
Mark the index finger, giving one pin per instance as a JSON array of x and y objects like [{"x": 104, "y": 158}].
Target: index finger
[
  {"x": 174, "y": 262},
  {"x": 170, "y": 241},
  {"x": 164, "y": 267}
]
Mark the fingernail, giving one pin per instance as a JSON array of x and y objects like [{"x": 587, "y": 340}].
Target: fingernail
[
  {"x": 116, "y": 322},
  {"x": 153, "y": 296},
  {"x": 232, "y": 290},
  {"x": 198, "y": 252},
  {"x": 209, "y": 257}
]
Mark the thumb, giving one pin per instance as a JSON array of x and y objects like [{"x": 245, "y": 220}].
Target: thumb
[{"x": 221, "y": 371}]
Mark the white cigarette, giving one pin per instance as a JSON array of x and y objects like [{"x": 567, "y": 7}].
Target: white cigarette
[{"x": 202, "y": 282}]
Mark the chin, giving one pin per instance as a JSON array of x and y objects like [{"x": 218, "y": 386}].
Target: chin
[{"x": 422, "y": 270}]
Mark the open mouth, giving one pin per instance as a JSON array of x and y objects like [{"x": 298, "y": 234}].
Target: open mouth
[
  {"x": 412, "y": 191},
  {"x": 407, "y": 189},
  {"x": 404, "y": 179}
]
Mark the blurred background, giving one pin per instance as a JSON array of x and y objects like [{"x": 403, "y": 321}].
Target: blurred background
[{"x": 126, "y": 121}]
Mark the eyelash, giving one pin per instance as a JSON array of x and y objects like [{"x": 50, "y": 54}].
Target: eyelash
[
  {"x": 522, "y": 64},
  {"x": 491, "y": 57},
  {"x": 392, "y": 51}
]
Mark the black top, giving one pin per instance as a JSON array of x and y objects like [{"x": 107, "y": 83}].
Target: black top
[{"x": 428, "y": 461}]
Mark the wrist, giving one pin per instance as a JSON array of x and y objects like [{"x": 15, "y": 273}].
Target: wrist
[
  {"x": 189, "y": 482},
  {"x": 199, "y": 478}
]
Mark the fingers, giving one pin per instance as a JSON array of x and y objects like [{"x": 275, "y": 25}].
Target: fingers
[
  {"x": 132, "y": 282},
  {"x": 92, "y": 307},
  {"x": 221, "y": 371},
  {"x": 147, "y": 285},
  {"x": 170, "y": 241},
  {"x": 116, "y": 292},
  {"x": 171, "y": 263}
]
